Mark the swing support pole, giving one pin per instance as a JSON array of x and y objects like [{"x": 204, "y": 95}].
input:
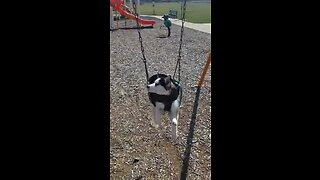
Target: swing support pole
[{"x": 204, "y": 72}]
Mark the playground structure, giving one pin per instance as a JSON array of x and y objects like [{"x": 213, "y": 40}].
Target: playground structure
[
  {"x": 129, "y": 97},
  {"x": 195, "y": 136},
  {"x": 204, "y": 71},
  {"x": 120, "y": 7},
  {"x": 124, "y": 66}
]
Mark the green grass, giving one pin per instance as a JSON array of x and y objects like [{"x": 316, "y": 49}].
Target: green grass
[{"x": 195, "y": 12}]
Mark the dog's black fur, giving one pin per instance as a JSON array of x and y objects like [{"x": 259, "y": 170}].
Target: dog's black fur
[{"x": 165, "y": 81}]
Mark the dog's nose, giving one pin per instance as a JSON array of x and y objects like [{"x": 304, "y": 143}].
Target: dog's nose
[{"x": 148, "y": 86}]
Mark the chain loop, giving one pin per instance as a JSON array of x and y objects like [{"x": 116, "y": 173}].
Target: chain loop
[
  {"x": 180, "y": 45},
  {"x": 140, "y": 40},
  {"x": 178, "y": 65}
]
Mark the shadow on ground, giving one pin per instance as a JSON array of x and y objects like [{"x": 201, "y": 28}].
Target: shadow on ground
[{"x": 186, "y": 158}]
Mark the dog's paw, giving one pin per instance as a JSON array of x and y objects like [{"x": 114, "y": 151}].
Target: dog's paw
[
  {"x": 174, "y": 122},
  {"x": 174, "y": 138},
  {"x": 155, "y": 125}
]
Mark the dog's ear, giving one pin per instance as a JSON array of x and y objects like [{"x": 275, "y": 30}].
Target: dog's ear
[{"x": 167, "y": 82}]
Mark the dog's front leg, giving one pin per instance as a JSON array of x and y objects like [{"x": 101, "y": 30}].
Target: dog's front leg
[
  {"x": 154, "y": 119},
  {"x": 174, "y": 117},
  {"x": 157, "y": 117},
  {"x": 174, "y": 120}
]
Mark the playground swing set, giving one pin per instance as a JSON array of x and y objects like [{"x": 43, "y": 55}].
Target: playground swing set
[{"x": 176, "y": 82}]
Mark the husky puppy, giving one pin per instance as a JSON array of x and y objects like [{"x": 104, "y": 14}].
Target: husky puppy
[{"x": 164, "y": 94}]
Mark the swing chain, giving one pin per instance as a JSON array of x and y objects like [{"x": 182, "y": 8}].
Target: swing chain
[
  {"x": 180, "y": 45},
  {"x": 140, "y": 40}
]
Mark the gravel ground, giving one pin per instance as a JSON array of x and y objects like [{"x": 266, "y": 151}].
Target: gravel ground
[{"x": 137, "y": 150}]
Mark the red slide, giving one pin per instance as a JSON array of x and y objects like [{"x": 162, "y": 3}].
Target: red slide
[{"x": 118, "y": 6}]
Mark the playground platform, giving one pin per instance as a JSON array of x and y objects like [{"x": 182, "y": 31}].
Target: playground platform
[{"x": 203, "y": 27}]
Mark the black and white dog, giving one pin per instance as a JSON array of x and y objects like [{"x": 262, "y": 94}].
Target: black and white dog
[{"x": 164, "y": 94}]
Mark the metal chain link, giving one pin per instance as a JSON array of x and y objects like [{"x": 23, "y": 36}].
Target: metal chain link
[
  {"x": 178, "y": 65},
  {"x": 180, "y": 46},
  {"x": 140, "y": 40}
]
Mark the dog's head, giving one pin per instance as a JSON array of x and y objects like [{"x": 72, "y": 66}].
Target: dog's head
[{"x": 161, "y": 86}]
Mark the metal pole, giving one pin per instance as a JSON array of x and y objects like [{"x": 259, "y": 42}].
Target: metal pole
[
  {"x": 138, "y": 6},
  {"x": 131, "y": 5},
  {"x": 154, "y": 12},
  {"x": 111, "y": 18},
  {"x": 181, "y": 10},
  {"x": 204, "y": 72}
]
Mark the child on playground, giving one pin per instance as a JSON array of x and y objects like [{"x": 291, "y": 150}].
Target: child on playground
[{"x": 167, "y": 23}]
